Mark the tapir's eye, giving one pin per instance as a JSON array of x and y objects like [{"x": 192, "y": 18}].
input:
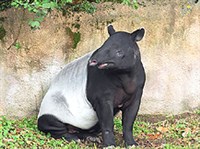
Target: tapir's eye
[{"x": 119, "y": 53}]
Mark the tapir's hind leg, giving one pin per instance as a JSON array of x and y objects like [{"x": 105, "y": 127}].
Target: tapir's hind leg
[{"x": 57, "y": 129}]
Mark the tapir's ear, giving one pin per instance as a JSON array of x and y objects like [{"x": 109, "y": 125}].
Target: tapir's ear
[
  {"x": 111, "y": 30},
  {"x": 138, "y": 34}
]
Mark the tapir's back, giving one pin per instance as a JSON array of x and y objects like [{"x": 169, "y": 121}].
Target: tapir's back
[{"x": 66, "y": 97}]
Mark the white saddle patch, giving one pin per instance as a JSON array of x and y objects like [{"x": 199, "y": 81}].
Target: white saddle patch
[{"x": 66, "y": 98}]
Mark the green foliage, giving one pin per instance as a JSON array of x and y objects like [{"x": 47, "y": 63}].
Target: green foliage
[
  {"x": 118, "y": 124},
  {"x": 17, "y": 45},
  {"x": 132, "y": 3},
  {"x": 39, "y": 7},
  {"x": 85, "y": 6},
  {"x": 172, "y": 132},
  {"x": 24, "y": 134},
  {"x": 77, "y": 38},
  {"x": 42, "y": 7},
  {"x": 4, "y": 4},
  {"x": 34, "y": 24},
  {"x": 198, "y": 111}
]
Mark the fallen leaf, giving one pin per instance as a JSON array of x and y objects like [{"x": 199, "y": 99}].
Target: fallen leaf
[
  {"x": 186, "y": 132},
  {"x": 154, "y": 136},
  {"x": 8, "y": 140},
  {"x": 162, "y": 129}
]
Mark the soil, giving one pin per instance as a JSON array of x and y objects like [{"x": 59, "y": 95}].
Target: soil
[{"x": 157, "y": 140}]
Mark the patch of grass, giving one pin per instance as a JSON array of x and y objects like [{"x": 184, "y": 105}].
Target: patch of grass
[
  {"x": 24, "y": 134},
  {"x": 118, "y": 124},
  {"x": 167, "y": 132},
  {"x": 198, "y": 111}
]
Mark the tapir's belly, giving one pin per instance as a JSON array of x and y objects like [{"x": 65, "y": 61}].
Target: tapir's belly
[{"x": 73, "y": 111}]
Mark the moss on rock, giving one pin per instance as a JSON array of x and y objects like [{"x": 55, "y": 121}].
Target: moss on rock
[
  {"x": 2, "y": 32},
  {"x": 75, "y": 36}
]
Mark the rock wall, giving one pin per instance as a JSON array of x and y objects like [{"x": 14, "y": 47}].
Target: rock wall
[{"x": 170, "y": 53}]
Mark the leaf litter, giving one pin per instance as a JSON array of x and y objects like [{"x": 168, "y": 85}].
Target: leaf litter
[{"x": 150, "y": 131}]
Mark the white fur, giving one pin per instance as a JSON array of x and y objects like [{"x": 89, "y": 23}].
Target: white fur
[{"x": 66, "y": 98}]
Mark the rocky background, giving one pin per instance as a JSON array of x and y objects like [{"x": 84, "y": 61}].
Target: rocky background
[{"x": 170, "y": 51}]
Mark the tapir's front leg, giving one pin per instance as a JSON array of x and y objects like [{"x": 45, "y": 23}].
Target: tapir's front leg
[
  {"x": 104, "y": 110},
  {"x": 129, "y": 114}
]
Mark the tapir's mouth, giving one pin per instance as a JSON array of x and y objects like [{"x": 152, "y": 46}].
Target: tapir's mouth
[{"x": 105, "y": 65}]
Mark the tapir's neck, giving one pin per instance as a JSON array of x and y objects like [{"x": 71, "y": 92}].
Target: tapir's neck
[
  {"x": 128, "y": 79},
  {"x": 131, "y": 71},
  {"x": 125, "y": 80}
]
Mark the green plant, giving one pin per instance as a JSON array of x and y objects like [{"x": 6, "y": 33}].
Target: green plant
[
  {"x": 40, "y": 7},
  {"x": 132, "y": 3},
  {"x": 35, "y": 23},
  {"x": 198, "y": 111},
  {"x": 180, "y": 131},
  {"x": 118, "y": 124},
  {"x": 85, "y": 6},
  {"x": 75, "y": 36},
  {"x": 17, "y": 45},
  {"x": 5, "y": 4}
]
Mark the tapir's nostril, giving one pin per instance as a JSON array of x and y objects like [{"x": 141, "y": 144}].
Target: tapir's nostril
[{"x": 92, "y": 62}]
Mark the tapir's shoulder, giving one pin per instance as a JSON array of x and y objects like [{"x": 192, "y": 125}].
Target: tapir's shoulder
[
  {"x": 73, "y": 68},
  {"x": 140, "y": 76}
]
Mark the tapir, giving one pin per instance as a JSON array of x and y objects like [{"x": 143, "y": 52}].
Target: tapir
[{"x": 87, "y": 93}]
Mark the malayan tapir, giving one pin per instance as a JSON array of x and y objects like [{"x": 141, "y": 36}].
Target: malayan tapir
[{"x": 85, "y": 96}]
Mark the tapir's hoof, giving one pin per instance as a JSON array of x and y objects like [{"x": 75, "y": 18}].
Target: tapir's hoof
[
  {"x": 109, "y": 147},
  {"x": 71, "y": 137},
  {"x": 93, "y": 139}
]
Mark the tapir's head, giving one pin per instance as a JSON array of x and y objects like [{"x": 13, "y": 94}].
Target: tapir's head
[{"x": 119, "y": 52}]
